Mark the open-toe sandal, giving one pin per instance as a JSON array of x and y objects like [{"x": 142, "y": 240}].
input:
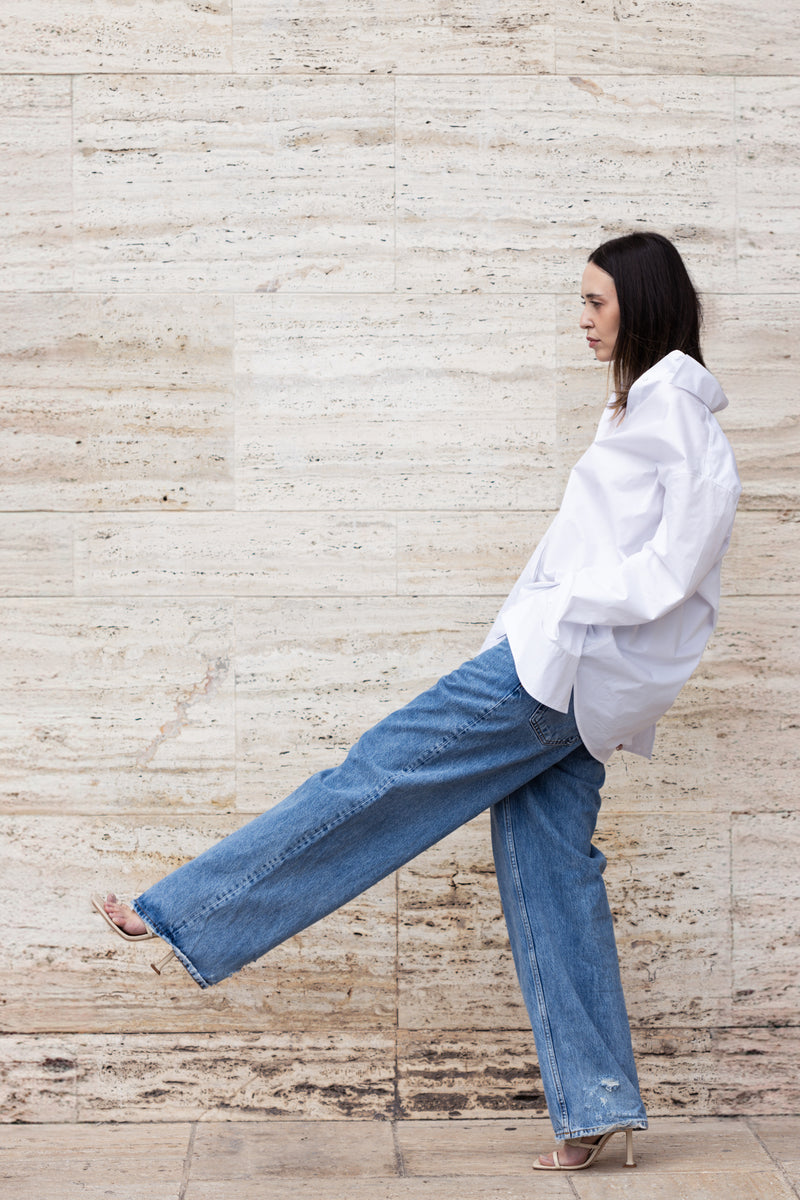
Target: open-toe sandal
[
  {"x": 594, "y": 1149},
  {"x": 98, "y": 904}
]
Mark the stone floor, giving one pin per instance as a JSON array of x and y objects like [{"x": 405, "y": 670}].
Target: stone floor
[{"x": 754, "y": 1158}]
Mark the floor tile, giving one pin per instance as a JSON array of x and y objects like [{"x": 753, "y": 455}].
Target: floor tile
[
  {"x": 468, "y": 1148},
  {"x": 702, "y": 1185},
  {"x": 99, "y": 1162},
  {"x": 292, "y": 1149},
  {"x": 381, "y": 1188}
]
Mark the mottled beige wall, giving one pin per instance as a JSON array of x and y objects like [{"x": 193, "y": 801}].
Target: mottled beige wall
[{"x": 291, "y": 382}]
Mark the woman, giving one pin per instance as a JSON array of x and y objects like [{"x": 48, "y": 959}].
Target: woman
[{"x": 606, "y": 623}]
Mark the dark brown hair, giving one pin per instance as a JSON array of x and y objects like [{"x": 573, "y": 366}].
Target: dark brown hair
[{"x": 659, "y": 308}]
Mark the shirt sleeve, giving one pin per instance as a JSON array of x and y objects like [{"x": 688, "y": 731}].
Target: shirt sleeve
[{"x": 690, "y": 539}]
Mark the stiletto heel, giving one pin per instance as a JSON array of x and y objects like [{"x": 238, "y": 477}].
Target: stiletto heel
[
  {"x": 629, "y": 1159},
  {"x": 594, "y": 1149},
  {"x": 163, "y": 962}
]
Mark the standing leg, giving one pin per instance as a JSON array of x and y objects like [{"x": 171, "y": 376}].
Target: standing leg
[
  {"x": 417, "y": 775},
  {"x": 562, "y": 937}
]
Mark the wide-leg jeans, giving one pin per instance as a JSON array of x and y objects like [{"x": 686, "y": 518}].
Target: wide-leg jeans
[{"x": 474, "y": 740}]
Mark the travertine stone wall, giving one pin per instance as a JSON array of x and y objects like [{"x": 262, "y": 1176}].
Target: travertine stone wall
[{"x": 291, "y": 383}]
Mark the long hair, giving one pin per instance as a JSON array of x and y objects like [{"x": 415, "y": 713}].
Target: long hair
[{"x": 659, "y": 308}]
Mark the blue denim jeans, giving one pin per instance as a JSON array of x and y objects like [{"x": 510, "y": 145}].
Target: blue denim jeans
[{"x": 473, "y": 741}]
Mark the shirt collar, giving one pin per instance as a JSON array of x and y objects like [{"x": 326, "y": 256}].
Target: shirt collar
[{"x": 683, "y": 372}]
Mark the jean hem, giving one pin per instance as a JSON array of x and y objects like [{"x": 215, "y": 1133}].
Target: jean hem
[
  {"x": 167, "y": 937},
  {"x": 594, "y": 1130}
]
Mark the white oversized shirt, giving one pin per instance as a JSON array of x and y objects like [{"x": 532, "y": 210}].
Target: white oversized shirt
[{"x": 622, "y": 593}]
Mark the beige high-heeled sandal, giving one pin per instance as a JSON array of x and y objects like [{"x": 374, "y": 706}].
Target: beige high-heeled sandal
[
  {"x": 98, "y": 904},
  {"x": 594, "y": 1149}
]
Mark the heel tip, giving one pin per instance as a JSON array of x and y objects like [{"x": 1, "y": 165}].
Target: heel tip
[{"x": 153, "y": 967}]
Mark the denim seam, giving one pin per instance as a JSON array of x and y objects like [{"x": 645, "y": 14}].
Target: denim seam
[
  {"x": 533, "y": 963},
  {"x": 538, "y": 729},
  {"x": 334, "y": 823},
  {"x": 456, "y": 734}
]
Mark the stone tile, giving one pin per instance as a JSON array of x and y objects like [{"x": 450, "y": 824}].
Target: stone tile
[
  {"x": 727, "y": 1071},
  {"x": 224, "y": 1077},
  {"x": 762, "y": 554},
  {"x": 38, "y": 1079},
  {"x": 487, "y": 168},
  {"x": 313, "y": 674},
  {"x": 469, "y": 1148},
  {"x": 115, "y": 705},
  {"x": 409, "y": 36},
  {"x": 455, "y": 964},
  {"x": 36, "y": 554},
  {"x": 750, "y": 341},
  {"x": 669, "y": 888},
  {"x": 682, "y": 1147},
  {"x": 768, "y": 147},
  {"x": 319, "y": 1150},
  {"x": 36, "y": 195},
  {"x": 475, "y": 1073},
  {"x": 235, "y": 554},
  {"x": 482, "y": 553},
  {"x": 116, "y": 403},
  {"x": 87, "y": 979},
  {"x": 108, "y": 1161},
  {"x": 465, "y": 554},
  {"x": 766, "y": 913},
  {"x": 410, "y": 402},
  {"x": 161, "y": 35},
  {"x": 338, "y": 975},
  {"x": 235, "y": 202},
  {"x": 781, "y": 1137},
  {"x": 729, "y": 741},
  {"x": 703, "y": 1185},
  {"x": 718, "y": 37},
  {"x": 379, "y": 1188},
  {"x": 468, "y": 1072}
]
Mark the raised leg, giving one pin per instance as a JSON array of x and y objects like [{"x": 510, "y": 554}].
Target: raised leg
[{"x": 409, "y": 781}]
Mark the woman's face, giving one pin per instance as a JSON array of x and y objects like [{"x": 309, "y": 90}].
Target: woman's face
[{"x": 600, "y": 316}]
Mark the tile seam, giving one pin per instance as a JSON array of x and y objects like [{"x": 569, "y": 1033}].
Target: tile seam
[{"x": 187, "y": 1163}]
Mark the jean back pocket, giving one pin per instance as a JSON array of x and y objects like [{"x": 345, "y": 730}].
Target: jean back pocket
[{"x": 554, "y": 728}]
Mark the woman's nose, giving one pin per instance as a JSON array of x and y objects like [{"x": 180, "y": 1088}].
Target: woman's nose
[{"x": 585, "y": 321}]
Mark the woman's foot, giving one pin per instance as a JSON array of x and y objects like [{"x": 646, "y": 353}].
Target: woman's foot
[
  {"x": 124, "y": 916},
  {"x": 569, "y": 1156}
]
